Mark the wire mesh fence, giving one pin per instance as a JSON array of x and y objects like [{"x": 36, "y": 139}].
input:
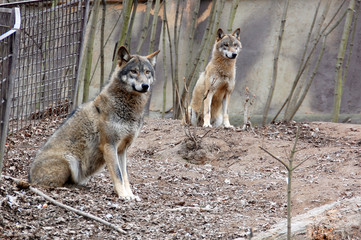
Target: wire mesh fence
[
  {"x": 50, "y": 44},
  {"x": 9, "y": 24}
]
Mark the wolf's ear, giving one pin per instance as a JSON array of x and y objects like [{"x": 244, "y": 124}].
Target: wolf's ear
[
  {"x": 220, "y": 34},
  {"x": 123, "y": 55},
  {"x": 236, "y": 33},
  {"x": 152, "y": 57}
]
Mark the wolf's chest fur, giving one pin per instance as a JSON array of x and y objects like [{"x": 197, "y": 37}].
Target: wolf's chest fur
[
  {"x": 220, "y": 73},
  {"x": 121, "y": 115},
  {"x": 121, "y": 105}
]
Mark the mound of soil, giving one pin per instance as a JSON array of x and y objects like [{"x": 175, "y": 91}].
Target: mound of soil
[{"x": 193, "y": 183}]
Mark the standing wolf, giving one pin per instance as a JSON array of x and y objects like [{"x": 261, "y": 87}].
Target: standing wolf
[
  {"x": 100, "y": 131},
  {"x": 217, "y": 82}
]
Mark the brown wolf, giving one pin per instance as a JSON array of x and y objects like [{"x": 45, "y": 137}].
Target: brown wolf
[
  {"x": 217, "y": 82},
  {"x": 100, "y": 131}
]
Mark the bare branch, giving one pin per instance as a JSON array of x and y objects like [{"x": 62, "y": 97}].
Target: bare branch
[
  {"x": 294, "y": 145},
  {"x": 301, "y": 163},
  {"x": 279, "y": 160},
  {"x": 246, "y": 113},
  {"x": 205, "y": 134}
]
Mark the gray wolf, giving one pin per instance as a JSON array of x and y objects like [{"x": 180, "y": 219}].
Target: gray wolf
[
  {"x": 100, "y": 131},
  {"x": 215, "y": 85}
]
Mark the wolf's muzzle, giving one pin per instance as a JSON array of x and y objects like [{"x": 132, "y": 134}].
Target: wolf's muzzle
[
  {"x": 234, "y": 55},
  {"x": 145, "y": 87},
  {"x": 141, "y": 88}
]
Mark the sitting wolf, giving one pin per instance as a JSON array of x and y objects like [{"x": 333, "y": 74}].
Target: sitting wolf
[
  {"x": 100, "y": 131},
  {"x": 215, "y": 85}
]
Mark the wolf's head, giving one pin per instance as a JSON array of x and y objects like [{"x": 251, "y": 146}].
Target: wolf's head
[
  {"x": 228, "y": 45},
  {"x": 135, "y": 72}
]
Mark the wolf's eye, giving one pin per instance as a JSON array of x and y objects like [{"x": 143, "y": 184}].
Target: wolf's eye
[
  {"x": 147, "y": 72},
  {"x": 133, "y": 71},
  {"x": 226, "y": 45}
]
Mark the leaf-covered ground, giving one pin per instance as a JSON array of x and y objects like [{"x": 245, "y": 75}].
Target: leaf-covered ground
[{"x": 193, "y": 184}]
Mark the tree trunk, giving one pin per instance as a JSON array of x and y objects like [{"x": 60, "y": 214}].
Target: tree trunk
[
  {"x": 176, "y": 102},
  {"x": 275, "y": 63},
  {"x": 104, "y": 9},
  {"x": 127, "y": 8},
  {"x": 194, "y": 5},
  {"x": 164, "y": 32},
  {"x": 151, "y": 47},
  {"x": 339, "y": 63},
  {"x": 129, "y": 31},
  {"x": 232, "y": 15},
  {"x": 89, "y": 51},
  {"x": 145, "y": 27}
]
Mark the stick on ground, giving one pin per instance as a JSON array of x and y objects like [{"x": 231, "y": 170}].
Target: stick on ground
[{"x": 23, "y": 184}]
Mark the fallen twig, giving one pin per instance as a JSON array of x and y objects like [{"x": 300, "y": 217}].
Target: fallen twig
[
  {"x": 25, "y": 185},
  {"x": 206, "y": 209},
  {"x": 205, "y": 134}
]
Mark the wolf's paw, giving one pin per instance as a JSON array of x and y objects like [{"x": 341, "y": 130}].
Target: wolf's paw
[
  {"x": 207, "y": 125},
  {"x": 130, "y": 197},
  {"x": 229, "y": 126}
]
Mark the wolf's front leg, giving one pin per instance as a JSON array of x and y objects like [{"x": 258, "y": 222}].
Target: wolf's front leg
[
  {"x": 225, "y": 111},
  {"x": 122, "y": 164},
  {"x": 111, "y": 159},
  {"x": 207, "y": 110}
]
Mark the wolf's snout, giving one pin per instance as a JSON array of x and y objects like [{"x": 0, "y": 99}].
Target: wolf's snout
[
  {"x": 234, "y": 55},
  {"x": 145, "y": 86}
]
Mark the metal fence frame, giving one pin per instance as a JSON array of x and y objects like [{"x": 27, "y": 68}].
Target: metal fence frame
[
  {"x": 10, "y": 22},
  {"x": 50, "y": 46}
]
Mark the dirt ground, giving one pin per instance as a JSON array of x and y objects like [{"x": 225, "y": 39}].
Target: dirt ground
[{"x": 193, "y": 184}]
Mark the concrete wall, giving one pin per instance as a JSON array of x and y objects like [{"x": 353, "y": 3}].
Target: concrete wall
[{"x": 259, "y": 21}]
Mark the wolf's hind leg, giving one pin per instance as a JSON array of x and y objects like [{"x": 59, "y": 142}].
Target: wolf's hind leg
[{"x": 52, "y": 173}]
